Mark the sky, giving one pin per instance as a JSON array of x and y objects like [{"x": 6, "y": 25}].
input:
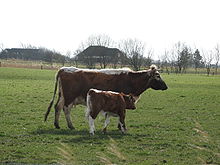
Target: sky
[{"x": 62, "y": 25}]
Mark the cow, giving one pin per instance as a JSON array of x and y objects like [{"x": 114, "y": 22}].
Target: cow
[
  {"x": 110, "y": 104},
  {"x": 74, "y": 83}
]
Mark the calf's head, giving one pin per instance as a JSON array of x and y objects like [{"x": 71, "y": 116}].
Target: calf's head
[
  {"x": 155, "y": 81},
  {"x": 129, "y": 101}
]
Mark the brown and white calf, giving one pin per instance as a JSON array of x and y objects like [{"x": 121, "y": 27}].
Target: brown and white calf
[
  {"x": 110, "y": 104},
  {"x": 74, "y": 83}
]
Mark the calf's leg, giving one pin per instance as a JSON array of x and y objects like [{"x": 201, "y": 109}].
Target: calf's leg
[
  {"x": 107, "y": 121},
  {"x": 122, "y": 123},
  {"x": 91, "y": 125}
]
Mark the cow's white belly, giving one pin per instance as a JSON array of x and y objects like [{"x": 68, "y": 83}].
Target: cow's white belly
[{"x": 109, "y": 114}]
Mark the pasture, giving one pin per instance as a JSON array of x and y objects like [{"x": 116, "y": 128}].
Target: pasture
[{"x": 178, "y": 126}]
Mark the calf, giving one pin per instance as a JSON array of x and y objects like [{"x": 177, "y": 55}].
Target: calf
[{"x": 111, "y": 104}]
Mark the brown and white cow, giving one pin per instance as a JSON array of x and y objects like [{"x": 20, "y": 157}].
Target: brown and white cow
[
  {"x": 74, "y": 83},
  {"x": 110, "y": 104}
]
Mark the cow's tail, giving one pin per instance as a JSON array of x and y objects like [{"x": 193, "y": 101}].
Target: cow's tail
[{"x": 51, "y": 102}]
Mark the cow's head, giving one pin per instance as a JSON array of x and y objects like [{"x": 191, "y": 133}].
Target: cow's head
[
  {"x": 129, "y": 101},
  {"x": 155, "y": 81}
]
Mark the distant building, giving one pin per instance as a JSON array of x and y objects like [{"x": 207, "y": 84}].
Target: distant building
[
  {"x": 21, "y": 53},
  {"x": 97, "y": 53}
]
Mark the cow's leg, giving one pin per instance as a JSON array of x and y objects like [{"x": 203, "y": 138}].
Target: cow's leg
[
  {"x": 122, "y": 123},
  {"x": 107, "y": 121},
  {"x": 58, "y": 107},
  {"x": 119, "y": 126},
  {"x": 91, "y": 125},
  {"x": 66, "y": 110}
]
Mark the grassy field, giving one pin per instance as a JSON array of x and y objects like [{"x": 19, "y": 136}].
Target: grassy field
[{"x": 177, "y": 126}]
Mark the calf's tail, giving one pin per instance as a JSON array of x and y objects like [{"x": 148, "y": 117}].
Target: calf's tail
[
  {"x": 51, "y": 102},
  {"x": 88, "y": 108}
]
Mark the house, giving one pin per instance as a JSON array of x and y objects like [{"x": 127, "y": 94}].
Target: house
[{"x": 100, "y": 54}]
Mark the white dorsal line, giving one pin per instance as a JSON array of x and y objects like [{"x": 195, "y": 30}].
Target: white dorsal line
[
  {"x": 106, "y": 71},
  {"x": 100, "y": 91}
]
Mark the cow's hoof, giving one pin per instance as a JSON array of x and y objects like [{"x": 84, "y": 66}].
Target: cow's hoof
[
  {"x": 72, "y": 128},
  {"x": 57, "y": 126}
]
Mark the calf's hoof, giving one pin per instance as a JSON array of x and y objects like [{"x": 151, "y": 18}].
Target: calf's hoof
[
  {"x": 124, "y": 131},
  {"x": 104, "y": 131},
  {"x": 92, "y": 133}
]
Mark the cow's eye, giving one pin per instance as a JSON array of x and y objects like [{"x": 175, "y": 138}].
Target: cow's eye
[{"x": 157, "y": 75}]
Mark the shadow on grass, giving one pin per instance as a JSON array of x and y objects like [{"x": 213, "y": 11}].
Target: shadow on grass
[
  {"x": 78, "y": 136},
  {"x": 53, "y": 131}
]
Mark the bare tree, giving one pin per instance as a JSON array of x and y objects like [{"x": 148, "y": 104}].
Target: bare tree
[
  {"x": 104, "y": 61},
  {"x": 176, "y": 56},
  {"x": 68, "y": 53},
  {"x": 217, "y": 57},
  {"x": 134, "y": 49},
  {"x": 165, "y": 61},
  {"x": 1, "y": 50},
  {"x": 173, "y": 60},
  {"x": 68, "y": 56},
  {"x": 100, "y": 40},
  {"x": 207, "y": 59},
  {"x": 27, "y": 46},
  {"x": 1, "y": 47},
  {"x": 182, "y": 54},
  {"x": 75, "y": 57},
  {"x": 115, "y": 60},
  {"x": 148, "y": 60}
]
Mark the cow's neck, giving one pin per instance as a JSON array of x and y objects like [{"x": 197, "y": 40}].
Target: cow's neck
[{"x": 139, "y": 82}]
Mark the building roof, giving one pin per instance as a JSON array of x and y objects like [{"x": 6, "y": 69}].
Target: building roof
[{"x": 100, "y": 51}]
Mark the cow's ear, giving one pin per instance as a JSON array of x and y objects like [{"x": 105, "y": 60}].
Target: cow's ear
[
  {"x": 153, "y": 67},
  {"x": 130, "y": 97},
  {"x": 153, "y": 71}
]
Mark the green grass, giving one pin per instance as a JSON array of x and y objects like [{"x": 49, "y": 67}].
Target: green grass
[{"x": 177, "y": 126}]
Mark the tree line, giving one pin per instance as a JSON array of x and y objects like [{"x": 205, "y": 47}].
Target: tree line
[
  {"x": 101, "y": 51},
  {"x": 183, "y": 56},
  {"x": 134, "y": 54},
  {"x": 32, "y": 53}
]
